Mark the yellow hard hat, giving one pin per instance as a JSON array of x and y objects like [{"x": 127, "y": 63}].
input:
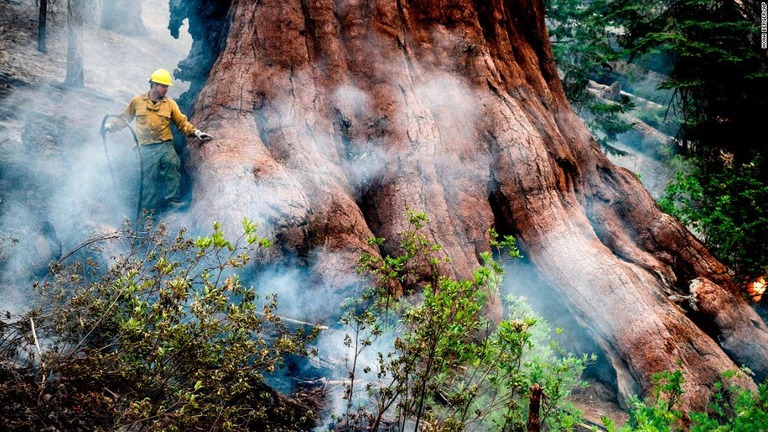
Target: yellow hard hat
[{"x": 161, "y": 76}]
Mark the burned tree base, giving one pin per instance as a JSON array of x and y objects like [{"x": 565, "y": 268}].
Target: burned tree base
[{"x": 345, "y": 115}]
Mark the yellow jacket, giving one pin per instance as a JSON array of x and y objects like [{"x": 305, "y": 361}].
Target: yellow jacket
[{"x": 153, "y": 119}]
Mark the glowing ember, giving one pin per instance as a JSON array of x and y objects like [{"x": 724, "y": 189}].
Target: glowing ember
[{"x": 757, "y": 288}]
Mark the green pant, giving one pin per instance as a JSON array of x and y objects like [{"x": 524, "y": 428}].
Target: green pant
[{"x": 161, "y": 175}]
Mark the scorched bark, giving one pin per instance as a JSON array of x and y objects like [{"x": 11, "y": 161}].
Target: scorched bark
[{"x": 332, "y": 118}]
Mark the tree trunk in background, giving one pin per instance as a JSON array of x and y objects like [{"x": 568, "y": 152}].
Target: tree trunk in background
[
  {"x": 332, "y": 118},
  {"x": 41, "y": 26},
  {"x": 75, "y": 62},
  {"x": 123, "y": 16}
]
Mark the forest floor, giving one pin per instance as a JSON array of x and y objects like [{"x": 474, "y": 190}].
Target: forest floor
[
  {"x": 35, "y": 108},
  {"x": 116, "y": 66},
  {"x": 50, "y": 135},
  {"x": 53, "y": 162}
]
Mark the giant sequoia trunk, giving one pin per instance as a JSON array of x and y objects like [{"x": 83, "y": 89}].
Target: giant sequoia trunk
[{"x": 332, "y": 118}]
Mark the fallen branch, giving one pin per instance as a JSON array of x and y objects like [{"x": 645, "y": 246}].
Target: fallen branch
[
  {"x": 297, "y": 322},
  {"x": 109, "y": 236},
  {"x": 39, "y": 351}
]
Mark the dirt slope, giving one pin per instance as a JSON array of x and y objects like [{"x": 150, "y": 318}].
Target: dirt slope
[{"x": 55, "y": 183}]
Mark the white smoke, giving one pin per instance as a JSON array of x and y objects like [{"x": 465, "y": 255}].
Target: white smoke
[
  {"x": 57, "y": 180},
  {"x": 77, "y": 188}
]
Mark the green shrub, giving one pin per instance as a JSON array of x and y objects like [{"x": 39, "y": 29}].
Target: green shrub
[
  {"x": 447, "y": 368},
  {"x": 167, "y": 338},
  {"x": 732, "y": 409}
]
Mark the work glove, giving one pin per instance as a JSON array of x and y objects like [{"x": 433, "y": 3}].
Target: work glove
[
  {"x": 112, "y": 127},
  {"x": 202, "y": 135}
]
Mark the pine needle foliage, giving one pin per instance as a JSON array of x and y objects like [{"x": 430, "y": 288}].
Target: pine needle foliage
[
  {"x": 719, "y": 72},
  {"x": 583, "y": 45}
]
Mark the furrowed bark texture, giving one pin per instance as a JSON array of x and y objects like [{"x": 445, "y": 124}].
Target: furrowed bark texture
[{"x": 333, "y": 117}]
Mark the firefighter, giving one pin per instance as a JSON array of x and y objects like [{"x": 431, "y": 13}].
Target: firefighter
[{"x": 154, "y": 113}]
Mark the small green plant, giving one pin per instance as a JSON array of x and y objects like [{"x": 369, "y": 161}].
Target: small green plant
[
  {"x": 660, "y": 413},
  {"x": 167, "y": 338},
  {"x": 447, "y": 367},
  {"x": 731, "y": 409},
  {"x": 734, "y": 409}
]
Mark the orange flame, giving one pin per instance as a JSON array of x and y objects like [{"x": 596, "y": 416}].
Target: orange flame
[{"x": 757, "y": 288}]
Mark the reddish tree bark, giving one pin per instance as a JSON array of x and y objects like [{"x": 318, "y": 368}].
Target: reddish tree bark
[{"x": 333, "y": 117}]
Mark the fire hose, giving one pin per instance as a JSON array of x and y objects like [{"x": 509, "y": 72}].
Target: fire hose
[{"x": 109, "y": 163}]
